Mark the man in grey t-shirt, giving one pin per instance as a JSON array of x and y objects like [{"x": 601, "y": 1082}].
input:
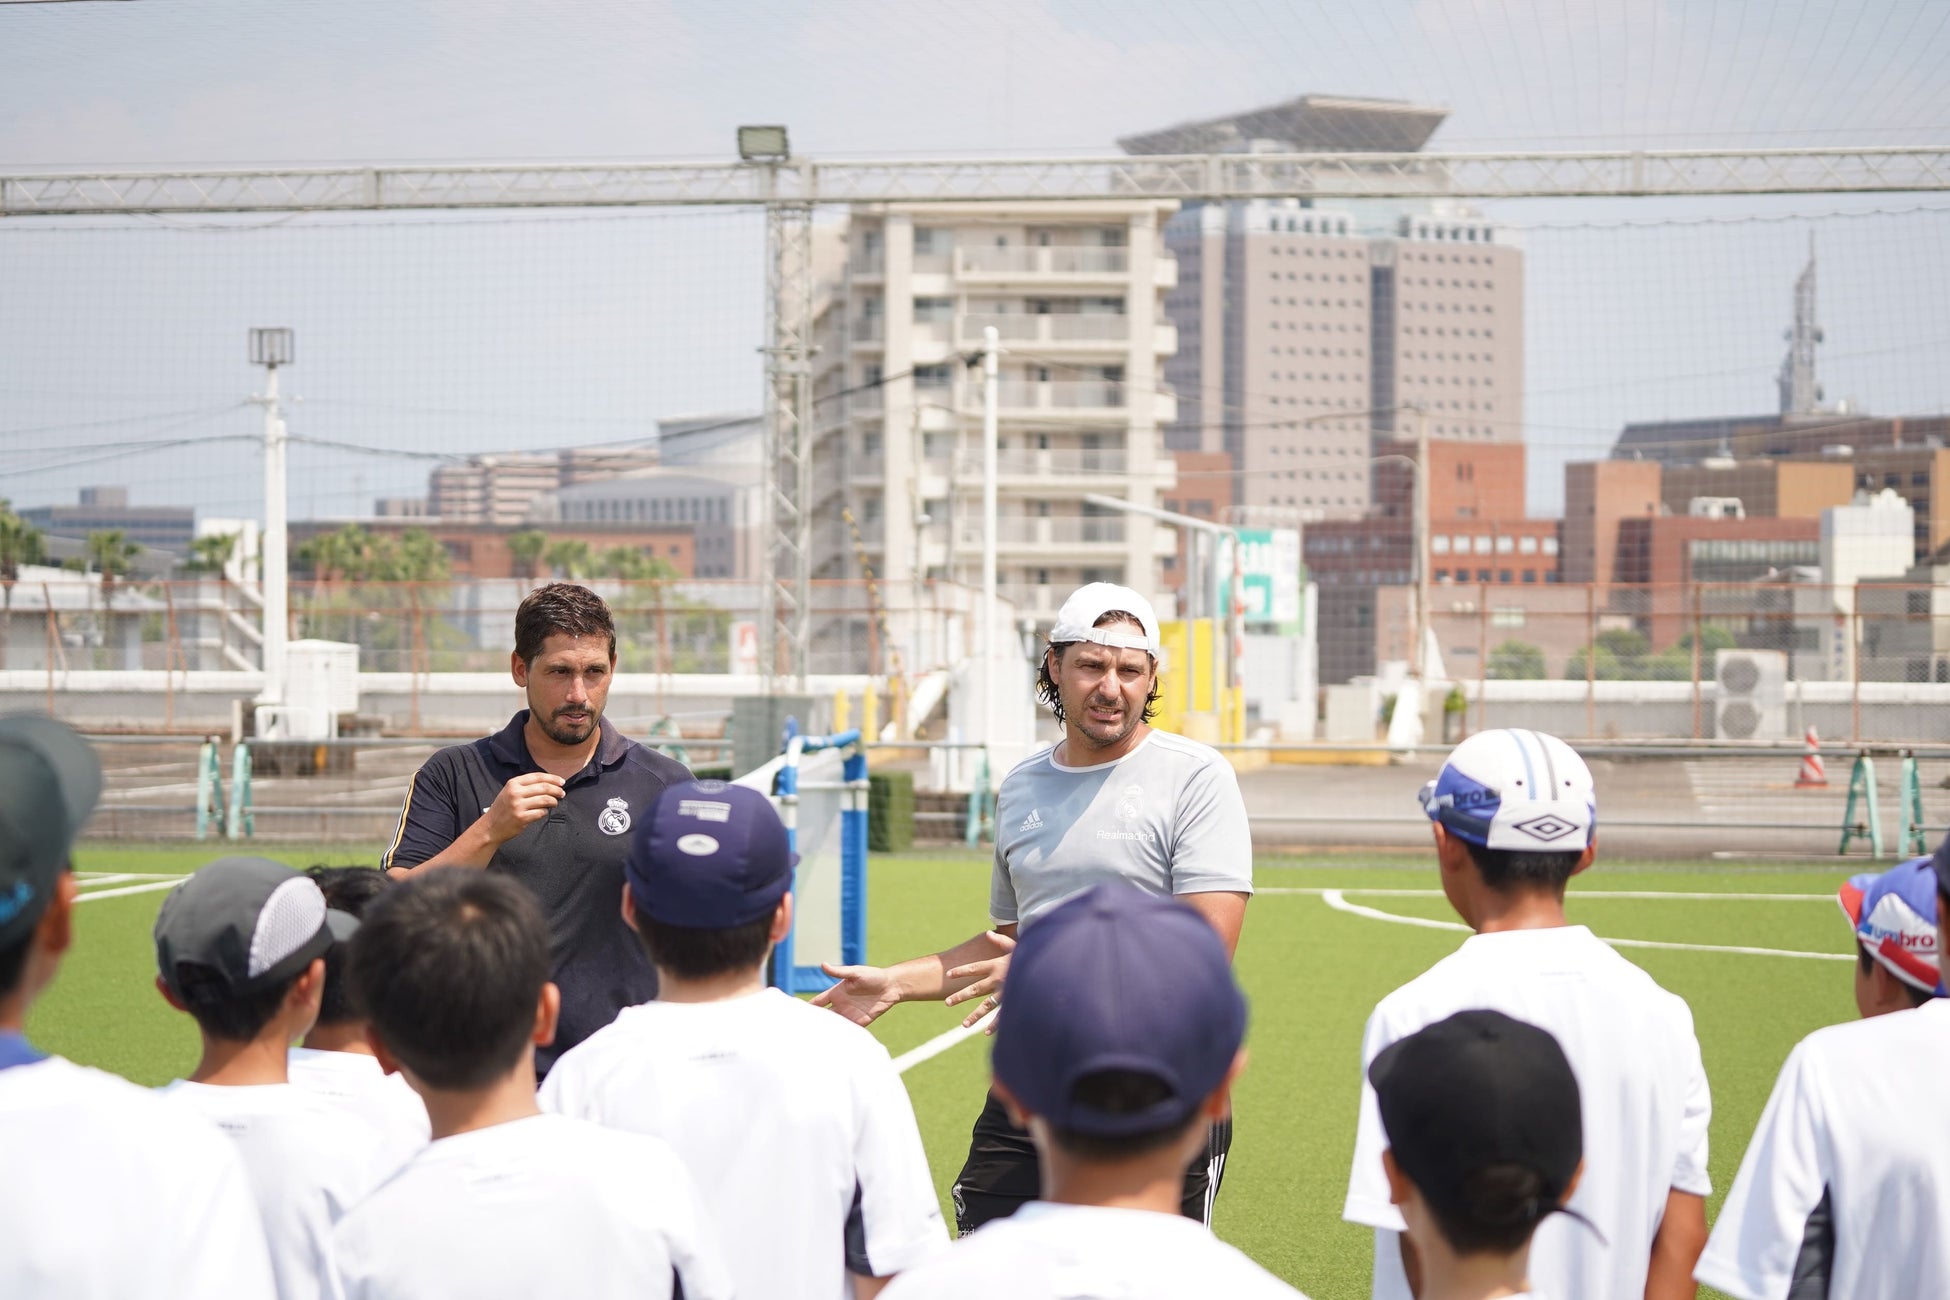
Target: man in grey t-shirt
[{"x": 1112, "y": 800}]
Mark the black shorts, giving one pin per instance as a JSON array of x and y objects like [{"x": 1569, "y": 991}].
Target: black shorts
[{"x": 1002, "y": 1172}]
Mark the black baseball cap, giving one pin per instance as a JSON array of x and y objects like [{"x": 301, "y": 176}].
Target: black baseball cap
[
  {"x": 253, "y": 921},
  {"x": 1476, "y": 1090},
  {"x": 49, "y": 782},
  {"x": 1118, "y": 979},
  {"x": 710, "y": 856}
]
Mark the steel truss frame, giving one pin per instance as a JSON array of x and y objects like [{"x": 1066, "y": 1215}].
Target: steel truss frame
[
  {"x": 1614, "y": 174},
  {"x": 789, "y": 189}
]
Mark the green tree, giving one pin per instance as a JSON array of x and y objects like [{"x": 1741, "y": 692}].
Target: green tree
[
  {"x": 526, "y": 548},
  {"x": 20, "y": 543},
  {"x": 571, "y": 559},
  {"x": 1516, "y": 661},
  {"x": 211, "y": 552},
  {"x": 110, "y": 553}
]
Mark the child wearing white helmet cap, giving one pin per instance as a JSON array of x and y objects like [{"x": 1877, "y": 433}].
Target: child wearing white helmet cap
[
  {"x": 1113, "y": 800},
  {"x": 1514, "y": 816}
]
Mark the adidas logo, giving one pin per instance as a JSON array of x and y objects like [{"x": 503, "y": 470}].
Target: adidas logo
[{"x": 1033, "y": 822}]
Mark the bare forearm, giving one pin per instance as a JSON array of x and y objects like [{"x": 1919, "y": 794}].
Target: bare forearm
[
  {"x": 925, "y": 979},
  {"x": 1676, "y": 1249}
]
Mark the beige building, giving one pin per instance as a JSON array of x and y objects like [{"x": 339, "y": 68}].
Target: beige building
[
  {"x": 1305, "y": 332},
  {"x": 1305, "y": 338},
  {"x": 491, "y": 489},
  {"x": 1076, "y": 292}
]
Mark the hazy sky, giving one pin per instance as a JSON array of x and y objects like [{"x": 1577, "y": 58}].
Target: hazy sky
[{"x": 470, "y": 333}]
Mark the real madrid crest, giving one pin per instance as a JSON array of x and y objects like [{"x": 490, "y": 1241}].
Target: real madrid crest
[{"x": 615, "y": 819}]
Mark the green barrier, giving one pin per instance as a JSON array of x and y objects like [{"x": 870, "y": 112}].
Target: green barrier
[
  {"x": 1862, "y": 793},
  {"x": 209, "y": 792},
  {"x": 242, "y": 822}
]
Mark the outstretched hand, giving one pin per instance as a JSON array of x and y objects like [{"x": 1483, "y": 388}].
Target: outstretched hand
[
  {"x": 863, "y": 992},
  {"x": 988, "y": 976}
]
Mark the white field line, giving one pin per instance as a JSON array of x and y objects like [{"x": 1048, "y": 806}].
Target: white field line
[
  {"x": 1575, "y": 895},
  {"x": 940, "y": 1043},
  {"x": 90, "y": 879},
  {"x": 1336, "y": 900},
  {"x": 149, "y": 887}
]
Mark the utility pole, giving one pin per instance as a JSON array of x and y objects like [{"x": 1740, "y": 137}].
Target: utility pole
[
  {"x": 272, "y": 348},
  {"x": 1417, "y": 655},
  {"x": 985, "y": 625}
]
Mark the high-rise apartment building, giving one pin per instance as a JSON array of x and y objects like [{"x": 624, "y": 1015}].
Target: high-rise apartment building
[
  {"x": 1076, "y": 292},
  {"x": 1309, "y": 334}
]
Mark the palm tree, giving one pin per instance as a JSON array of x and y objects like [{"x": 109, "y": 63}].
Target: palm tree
[
  {"x": 525, "y": 548},
  {"x": 570, "y": 559},
  {"x": 211, "y": 553},
  {"x": 20, "y": 543},
  {"x": 110, "y": 553}
]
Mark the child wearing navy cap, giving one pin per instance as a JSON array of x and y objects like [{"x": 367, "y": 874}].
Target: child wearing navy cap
[{"x": 793, "y": 1122}]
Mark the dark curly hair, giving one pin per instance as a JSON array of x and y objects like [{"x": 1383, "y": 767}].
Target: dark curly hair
[{"x": 1048, "y": 695}]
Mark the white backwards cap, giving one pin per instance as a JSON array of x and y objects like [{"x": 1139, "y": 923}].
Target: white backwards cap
[{"x": 1077, "y": 620}]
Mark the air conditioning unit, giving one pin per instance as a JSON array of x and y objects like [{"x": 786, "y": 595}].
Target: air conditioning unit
[{"x": 1752, "y": 700}]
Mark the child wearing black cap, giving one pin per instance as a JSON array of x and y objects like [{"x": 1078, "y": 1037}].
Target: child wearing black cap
[
  {"x": 241, "y": 947},
  {"x": 81, "y": 1150},
  {"x": 1485, "y": 1139}
]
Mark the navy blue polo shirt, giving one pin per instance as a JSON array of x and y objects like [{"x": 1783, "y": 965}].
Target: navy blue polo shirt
[{"x": 572, "y": 859}]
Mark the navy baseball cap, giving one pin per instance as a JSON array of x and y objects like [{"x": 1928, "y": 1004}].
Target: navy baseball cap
[
  {"x": 710, "y": 856},
  {"x": 1117, "y": 979},
  {"x": 49, "y": 782},
  {"x": 1940, "y": 863}
]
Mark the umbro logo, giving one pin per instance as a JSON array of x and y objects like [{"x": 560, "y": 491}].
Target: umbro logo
[
  {"x": 1033, "y": 822},
  {"x": 1548, "y": 827}
]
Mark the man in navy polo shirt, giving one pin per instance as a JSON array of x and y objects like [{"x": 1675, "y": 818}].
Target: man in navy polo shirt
[{"x": 550, "y": 800}]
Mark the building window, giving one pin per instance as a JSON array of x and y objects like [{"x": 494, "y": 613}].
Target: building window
[
  {"x": 1527, "y": 545},
  {"x": 936, "y": 376},
  {"x": 1506, "y": 616},
  {"x": 1439, "y": 544},
  {"x": 1550, "y": 545},
  {"x": 1506, "y": 545}
]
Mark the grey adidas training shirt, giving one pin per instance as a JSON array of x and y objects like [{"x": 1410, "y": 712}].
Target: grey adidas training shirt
[{"x": 1167, "y": 817}]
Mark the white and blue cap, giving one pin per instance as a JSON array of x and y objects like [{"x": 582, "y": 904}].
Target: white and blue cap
[
  {"x": 1515, "y": 789},
  {"x": 1894, "y": 915}
]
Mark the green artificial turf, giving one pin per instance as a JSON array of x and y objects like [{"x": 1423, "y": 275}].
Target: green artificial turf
[{"x": 1312, "y": 974}]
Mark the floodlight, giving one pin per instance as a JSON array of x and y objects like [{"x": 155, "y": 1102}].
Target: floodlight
[
  {"x": 763, "y": 144},
  {"x": 273, "y": 347}
]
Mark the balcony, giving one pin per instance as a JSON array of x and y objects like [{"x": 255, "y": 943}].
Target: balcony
[
  {"x": 1040, "y": 533},
  {"x": 1072, "y": 263},
  {"x": 1044, "y": 464},
  {"x": 866, "y": 263},
  {"x": 868, "y": 330},
  {"x": 1100, "y": 332},
  {"x": 1015, "y": 396}
]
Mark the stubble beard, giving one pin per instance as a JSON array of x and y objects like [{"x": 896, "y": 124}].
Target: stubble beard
[{"x": 569, "y": 733}]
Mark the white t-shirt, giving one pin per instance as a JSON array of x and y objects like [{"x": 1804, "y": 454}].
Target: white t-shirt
[
  {"x": 308, "y": 1161},
  {"x": 355, "y": 1081},
  {"x": 1059, "y": 1252},
  {"x": 1640, "y": 1078},
  {"x": 1167, "y": 817},
  {"x": 1858, "y": 1120},
  {"x": 107, "y": 1191},
  {"x": 543, "y": 1206},
  {"x": 793, "y": 1123}
]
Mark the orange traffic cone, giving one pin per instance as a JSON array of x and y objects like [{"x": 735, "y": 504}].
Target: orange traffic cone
[{"x": 1813, "y": 775}]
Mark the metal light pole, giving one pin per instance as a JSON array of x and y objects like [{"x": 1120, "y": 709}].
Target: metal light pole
[
  {"x": 991, "y": 395},
  {"x": 272, "y": 348},
  {"x": 1419, "y": 653}
]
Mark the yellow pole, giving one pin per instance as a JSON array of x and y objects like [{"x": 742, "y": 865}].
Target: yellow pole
[
  {"x": 840, "y": 710},
  {"x": 870, "y": 715}
]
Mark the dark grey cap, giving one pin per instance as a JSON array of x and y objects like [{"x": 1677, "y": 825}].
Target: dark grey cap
[
  {"x": 253, "y": 921},
  {"x": 49, "y": 782},
  {"x": 1940, "y": 863}
]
